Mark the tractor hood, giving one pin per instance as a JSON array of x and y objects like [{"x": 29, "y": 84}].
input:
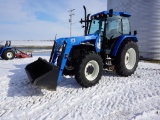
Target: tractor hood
[{"x": 75, "y": 40}]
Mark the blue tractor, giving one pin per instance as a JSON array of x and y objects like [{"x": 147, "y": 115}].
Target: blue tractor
[
  {"x": 107, "y": 44},
  {"x": 6, "y": 51}
]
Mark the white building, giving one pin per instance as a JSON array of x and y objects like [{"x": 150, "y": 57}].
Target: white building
[{"x": 146, "y": 20}]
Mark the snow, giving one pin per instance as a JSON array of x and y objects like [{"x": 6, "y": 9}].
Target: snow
[
  {"x": 136, "y": 97},
  {"x": 24, "y": 43}
]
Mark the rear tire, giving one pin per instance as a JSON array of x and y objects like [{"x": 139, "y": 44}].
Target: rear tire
[
  {"x": 127, "y": 59},
  {"x": 90, "y": 70},
  {"x": 8, "y": 54}
]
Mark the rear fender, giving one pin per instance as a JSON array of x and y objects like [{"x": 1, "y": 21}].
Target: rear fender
[
  {"x": 4, "y": 49},
  {"x": 119, "y": 42}
]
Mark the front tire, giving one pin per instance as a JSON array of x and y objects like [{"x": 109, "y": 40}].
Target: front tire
[
  {"x": 8, "y": 54},
  {"x": 69, "y": 69},
  {"x": 90, "y": 70},
  {"x": 127, "y": 59}
]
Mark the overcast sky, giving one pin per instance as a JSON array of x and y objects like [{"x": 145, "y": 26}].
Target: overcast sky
[{"x": 42, "y": 19}]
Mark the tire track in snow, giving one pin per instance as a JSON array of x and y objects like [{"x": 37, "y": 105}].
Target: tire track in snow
[
  {"x": 131, "y": 101},
  {"x": 91, "y": 94},
  {"x": 148, "y": 115},
  {"x": 57, "y": 107},
  {"x": 128, "y": 113},
  {"x": 83, "y": 99},
  {"x": 49, "y": 100},
  {"x": 114, "y": 96}
]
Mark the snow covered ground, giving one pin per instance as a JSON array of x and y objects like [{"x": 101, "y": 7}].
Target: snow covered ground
[{"x": 115, "y": 98}]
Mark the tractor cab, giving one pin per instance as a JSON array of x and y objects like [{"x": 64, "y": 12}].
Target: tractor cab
[{"x": 110, "y": 27}]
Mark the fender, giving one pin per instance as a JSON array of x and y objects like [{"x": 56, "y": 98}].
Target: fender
[
  {"x": 5, "y": 48},
  {"x": 120, "y": 40}
]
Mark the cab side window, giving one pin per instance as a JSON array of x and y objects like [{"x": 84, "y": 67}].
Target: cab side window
[
  {"x": 113, "y": 29},
  {"x": 126, "y": 26}
]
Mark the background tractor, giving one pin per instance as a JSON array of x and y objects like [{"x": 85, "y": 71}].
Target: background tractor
[
  {"x": 7, "y": 52},
  {"x": 107, "y": 43}
]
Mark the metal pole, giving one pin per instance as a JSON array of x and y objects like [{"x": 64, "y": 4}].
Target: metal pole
[{"x": 70, "y": 20}]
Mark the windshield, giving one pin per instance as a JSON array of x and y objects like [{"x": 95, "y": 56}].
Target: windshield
[{"x": 97, "y": 26}]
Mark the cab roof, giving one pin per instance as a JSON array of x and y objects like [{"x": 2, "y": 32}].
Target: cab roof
[{"x": 124, "y": 14}]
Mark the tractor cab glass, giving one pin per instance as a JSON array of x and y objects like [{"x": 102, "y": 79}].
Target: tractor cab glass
[
  {"x": 117, "y": 26},
  {"x": 113, "y": 27},
  {"x": 126, "y": 26},
  {"x": 97, "y": 26}
]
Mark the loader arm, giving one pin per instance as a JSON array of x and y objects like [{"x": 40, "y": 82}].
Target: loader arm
[
  {"x": 64, "y": 46},
  {"x": 44, "y": 74}
]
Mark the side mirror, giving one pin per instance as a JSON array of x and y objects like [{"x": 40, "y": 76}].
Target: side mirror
[
  {"x": 110, "y": 12},
  {"x": 81, "y": 21},
  {"x": 83, "y": 26},
  {"x": 135, "y": 32}
]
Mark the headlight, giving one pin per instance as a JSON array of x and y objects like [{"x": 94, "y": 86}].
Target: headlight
[{"x": 60, "y": 48}]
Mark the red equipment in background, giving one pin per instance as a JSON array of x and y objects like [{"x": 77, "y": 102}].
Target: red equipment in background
[
  {"x": 7, "y": 52},
  {"x": 20, "y": 54}
]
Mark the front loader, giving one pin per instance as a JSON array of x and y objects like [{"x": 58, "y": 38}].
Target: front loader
[{"x": 107, "y": 43}]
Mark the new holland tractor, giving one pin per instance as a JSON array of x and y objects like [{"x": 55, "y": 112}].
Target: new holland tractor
[
  {"x": 7, "y": 52},
  {"x": 107, "y": 43}
]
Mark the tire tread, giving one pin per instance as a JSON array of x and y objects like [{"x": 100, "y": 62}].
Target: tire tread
[
  {"x": 79, "y": 71},
  {"x": 119, "y": 65}
]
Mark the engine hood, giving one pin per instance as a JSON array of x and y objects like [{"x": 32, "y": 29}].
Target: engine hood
[{"x": 75, "y": 40}]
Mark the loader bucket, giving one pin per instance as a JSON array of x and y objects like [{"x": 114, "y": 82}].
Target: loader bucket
[{"x": 43, "y": 74}]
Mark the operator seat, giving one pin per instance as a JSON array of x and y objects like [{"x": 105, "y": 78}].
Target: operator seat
[{"x": 114, "y": 33}]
